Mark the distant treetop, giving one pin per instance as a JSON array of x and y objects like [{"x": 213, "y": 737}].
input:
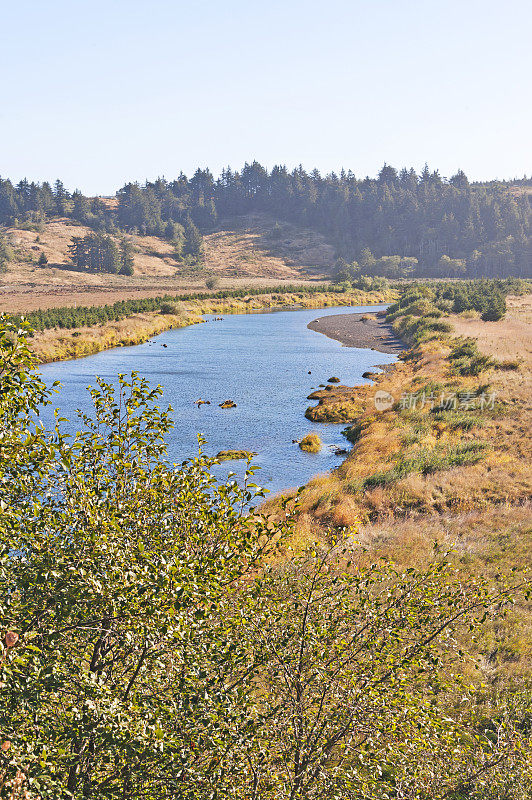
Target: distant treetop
[{"x": 451, "y": 227}]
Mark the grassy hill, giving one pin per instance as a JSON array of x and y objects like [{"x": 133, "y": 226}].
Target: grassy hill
[
  {"x": 257, "y": 245},
  {"x": 252, "y": 249}
]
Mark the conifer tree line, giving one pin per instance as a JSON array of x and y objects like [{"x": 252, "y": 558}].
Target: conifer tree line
[
  {"x": 397, "y": 224},
  {"x": 71, "y": 317},
  {"x": 486, "y": 296}
]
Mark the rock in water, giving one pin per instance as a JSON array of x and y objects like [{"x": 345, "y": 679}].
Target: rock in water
[{"x": 230, "y": 455}]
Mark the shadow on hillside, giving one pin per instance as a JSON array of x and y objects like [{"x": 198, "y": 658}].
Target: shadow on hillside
[{"x": 297, "y": 246}]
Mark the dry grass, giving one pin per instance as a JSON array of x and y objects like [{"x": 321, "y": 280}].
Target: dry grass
[
  {"x": 311, "y": 443},
  {"x": 245, "y": 246},
  {"x": 391, "y": 438},
  {"x": 244, "y": 254},
  {"x": 341, "y": 404},
  {"x": 479, "y": 512},
  {"x": 491, "y": 542},
  {"x": 59, "y": 344},
  {"x": 508, "y": 338}
]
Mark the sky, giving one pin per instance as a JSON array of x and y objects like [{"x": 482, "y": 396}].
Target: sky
[{"x": 102, "y": 92}]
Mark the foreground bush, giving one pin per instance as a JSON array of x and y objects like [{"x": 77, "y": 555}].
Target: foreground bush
[{"x": 156, "y": 645}]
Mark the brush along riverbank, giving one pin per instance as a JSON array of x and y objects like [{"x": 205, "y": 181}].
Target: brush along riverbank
[
  {"x": 440, "y": 458},
  {"x": 61, "y": 343}
]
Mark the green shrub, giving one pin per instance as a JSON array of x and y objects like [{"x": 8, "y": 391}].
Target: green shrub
[
  {"x": 466, "y": 359},
  {"x": 159, "y": 639},
  {"x": 426, "y": 461},
  {"x": 495, "y": 308},
  {"x": 507, "y": 365},
  {"x": 457, "y": 420},
  {"x": 353, "y": 432},
  {"x": 170, "y": 308}
]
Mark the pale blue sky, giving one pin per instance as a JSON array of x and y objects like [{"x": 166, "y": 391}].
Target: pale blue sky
[{"x": 99, "y": 92}]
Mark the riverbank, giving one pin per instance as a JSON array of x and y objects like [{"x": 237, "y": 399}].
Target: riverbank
[
  {"x": 59, "y": 344},
  {"x": 441, "y": 461},
  {"x": 359, "y": 330}
]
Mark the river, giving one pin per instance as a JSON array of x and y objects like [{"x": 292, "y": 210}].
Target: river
[{"x": 261, "y": 362}]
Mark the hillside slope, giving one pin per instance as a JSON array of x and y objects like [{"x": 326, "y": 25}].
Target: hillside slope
[
  {"x": 245, "y": 250},
  {"x": 256, "y": 245}
]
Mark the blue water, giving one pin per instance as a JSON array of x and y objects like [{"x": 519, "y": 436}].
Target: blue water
[{"x": 261, "y": 361}]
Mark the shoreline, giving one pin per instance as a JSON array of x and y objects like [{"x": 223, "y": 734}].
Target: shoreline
[
  {"x": 363, "y": 330},
  {"x": 64, "y": 344}
]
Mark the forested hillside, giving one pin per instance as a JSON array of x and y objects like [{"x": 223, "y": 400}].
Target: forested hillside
[{"x": 399, "y": 224}]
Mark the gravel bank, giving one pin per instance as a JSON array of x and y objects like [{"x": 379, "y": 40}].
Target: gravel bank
[{"x": 359, "y": 330}]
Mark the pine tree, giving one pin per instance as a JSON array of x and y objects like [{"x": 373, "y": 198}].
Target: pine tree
[
  {"x": 43, "y": 261},
  {"x": 126, "y": 257},
  {"x": 81, "y": 207},
  {"x": 367, "y": 261},
  {"x": 193, "y": 241},
  {"x": 61, "y": 196},
  {"x": 79, "y": 252},
  {"x": 495, "y": 308},
  {"x": 109, "y": 255}
]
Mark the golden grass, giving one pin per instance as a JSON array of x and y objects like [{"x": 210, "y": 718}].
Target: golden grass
[
  {"x": 245, "y": 247},
  {"x": 234, "y": 455},
  {"x": 506, "y": 339},
  {"x": 59, "y": 344},
  {"x": 388, "y": 438},
  {"x": 342, "y": 404},
  {"x": 490, "y": 542},
  {"x": 311, "y": 443},
  {"x": 479, "y": 511}
]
